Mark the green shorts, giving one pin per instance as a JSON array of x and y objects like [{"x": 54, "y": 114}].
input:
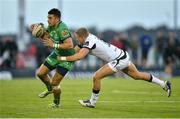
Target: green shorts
[{"x": 52, "y": 63}]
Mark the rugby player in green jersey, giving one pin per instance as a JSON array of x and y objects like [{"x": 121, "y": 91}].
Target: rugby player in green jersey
[{"x": 58, "y": 38}]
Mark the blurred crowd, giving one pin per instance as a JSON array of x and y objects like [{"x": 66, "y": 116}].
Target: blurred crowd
[
  {"x": 159, "y": 51},
  {"x": 159, "y": 48}
]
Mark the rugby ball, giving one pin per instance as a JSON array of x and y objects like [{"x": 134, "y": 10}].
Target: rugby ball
[{"x": 38, "y": 30}]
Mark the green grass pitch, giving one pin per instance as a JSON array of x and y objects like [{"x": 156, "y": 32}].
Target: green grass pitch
[{"x": 118, "y": 98}]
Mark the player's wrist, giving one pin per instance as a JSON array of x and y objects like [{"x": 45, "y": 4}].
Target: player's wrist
[
  {"x": 56, "y": 45},
  {"x": 63, "y": 58}
]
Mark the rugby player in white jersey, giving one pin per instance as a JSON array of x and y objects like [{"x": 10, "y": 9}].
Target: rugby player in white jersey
[{"x": 117, "y": 60}]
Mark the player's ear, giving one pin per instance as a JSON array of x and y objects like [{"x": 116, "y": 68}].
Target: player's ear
[
  {"x": 83, "y": 37},
  {"x": 57, "y": 18}
]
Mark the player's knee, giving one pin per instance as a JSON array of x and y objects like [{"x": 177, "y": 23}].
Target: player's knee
[
  {"x": 95, "y": 77},
  {"x": 54, "y": 83},
  {"x": 39, "y": 74},
  {"x": 55, "y": 86}
]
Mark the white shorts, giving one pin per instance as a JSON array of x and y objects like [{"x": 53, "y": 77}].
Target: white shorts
[{"x": 120, "y": 64}]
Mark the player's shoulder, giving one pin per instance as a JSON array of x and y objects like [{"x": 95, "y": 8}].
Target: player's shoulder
[
  {"x": 91, "y": 37},
  {"x": 62, "y": 28},
  {"x": 62, "y": 25}
]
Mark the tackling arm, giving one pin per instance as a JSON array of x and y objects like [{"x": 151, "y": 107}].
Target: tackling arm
[{"x": 78, "y": 56}]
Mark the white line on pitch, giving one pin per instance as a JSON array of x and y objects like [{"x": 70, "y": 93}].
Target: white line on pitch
[
  {"x": 134, "y": 92},
  {"x": 146, "y": 101}
]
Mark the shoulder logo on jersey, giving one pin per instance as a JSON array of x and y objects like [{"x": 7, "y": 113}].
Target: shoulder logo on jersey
[{"x": 65, "y": 33}]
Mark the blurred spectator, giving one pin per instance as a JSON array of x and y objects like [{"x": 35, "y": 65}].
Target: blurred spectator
[
  {"x": 41, "y": 53},
  {"x": 32, "y": 49},
  {"x": 1, "y": 48},
  {"x": 121, "y": 41},
  {"x": 146, "y": 43},
  {"x": 116, "y": 42},
  {"x": 1, "y": 52},
  {"x": 160, "y": 43},
  {"x": 107, "y": 35},
  {"x": 20, "y": 61},
  {"x": 134, "y": 45},
  {"x": 31, "y": 55},
  {"x": 9, "y": 53},
  {"x": 171, "y": 53}
]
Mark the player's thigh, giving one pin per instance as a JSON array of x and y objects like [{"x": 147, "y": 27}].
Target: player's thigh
[
  {"x": 131, "y": 70},
  {"x": 42, "y": 70},
  {"x": 103, "y": 72},
  {"x": 49, "y": 64}
]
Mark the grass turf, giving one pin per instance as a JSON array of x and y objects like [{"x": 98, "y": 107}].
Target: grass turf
[{"x": 118, "y": 98}]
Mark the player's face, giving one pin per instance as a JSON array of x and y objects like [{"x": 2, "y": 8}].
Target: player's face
[
  {"x": 79, "y": 39},
  {"x": 52, "y": 20}
]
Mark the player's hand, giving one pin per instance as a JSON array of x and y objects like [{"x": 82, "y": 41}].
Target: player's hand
[
  {"x": 48, "y": 42},
  {"x": 32, "y": 26},
  {"x": 59, "y": 58},
  {"x": 45, "y": 36},
  {"x": 35, "y": 24}
]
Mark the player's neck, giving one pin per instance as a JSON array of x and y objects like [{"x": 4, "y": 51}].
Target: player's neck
[{"x": 57, "y": 24}]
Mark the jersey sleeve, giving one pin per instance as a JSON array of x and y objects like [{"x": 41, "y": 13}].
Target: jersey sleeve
[{"x": 89, "y": 44}]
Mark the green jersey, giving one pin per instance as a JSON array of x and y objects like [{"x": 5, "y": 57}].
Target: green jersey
[{"x": 59, "y": 35}]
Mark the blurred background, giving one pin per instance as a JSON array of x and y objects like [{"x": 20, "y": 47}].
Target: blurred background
[{"x": 148, "y": 29}]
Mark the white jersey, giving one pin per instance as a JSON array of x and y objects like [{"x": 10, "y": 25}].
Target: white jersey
[{"x": 101, "y": 49}]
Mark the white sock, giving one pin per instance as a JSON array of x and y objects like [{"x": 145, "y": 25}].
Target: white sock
[
  {"x": 158, "y": 81},
  {"x": 94, "y": 98}
]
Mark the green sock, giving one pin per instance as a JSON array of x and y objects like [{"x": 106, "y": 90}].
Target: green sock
[
  {"x": 49, "y": 87},
  {"x": 56, "y": 101}
]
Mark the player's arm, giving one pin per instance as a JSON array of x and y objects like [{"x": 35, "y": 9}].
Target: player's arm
[
  {"x": 45, "y": 36},
  {"x": 78, "y": 56},
  {"x": 67, "y": 44}
]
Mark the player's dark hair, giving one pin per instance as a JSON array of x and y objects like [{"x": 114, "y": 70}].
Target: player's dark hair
[
  {"x": 55, "y": 12},
  {"x": 83, "y": 32}
]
